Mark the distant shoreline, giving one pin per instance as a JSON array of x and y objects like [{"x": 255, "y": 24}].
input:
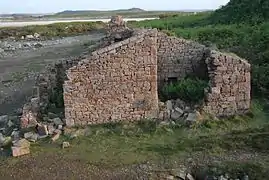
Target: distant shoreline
[{"x": 10, "y": 23}]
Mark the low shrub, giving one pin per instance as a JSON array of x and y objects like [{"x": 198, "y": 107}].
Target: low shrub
[{"x": 189, "y": 90}]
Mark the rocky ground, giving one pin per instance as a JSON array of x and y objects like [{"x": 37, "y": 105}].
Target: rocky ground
[{"x": 20, "y": 61}]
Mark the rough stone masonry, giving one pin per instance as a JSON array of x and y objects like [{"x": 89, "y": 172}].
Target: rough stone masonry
[{"x": 120, "y": 80}]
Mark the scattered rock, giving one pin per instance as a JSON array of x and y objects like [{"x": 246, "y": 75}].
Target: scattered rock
[
  {"x": 56, "y": 136},
  {"x": 57, "y": 121},
  {"x": 36, "y": 35},
  {"x": 65, "y": 145},
  {"x": 169, "y": 105},
  {"x": 60, "y": 127},
  {"x": 10, "y": 123},
  {"x": 38, "y": 45},
  {"x": 29, "y": 36},
  {"x": 51, "y": 129},
  {"x": 3, "y": 119},
  {"x": 21, "y": 143},
  {"x": 42, "y": 130},
  {"x": 15, "y": 135},
  {"x": 175, "y": 115},
  {"x": 52, "y": 115},
  {"x": 189, "y": 177},
  {"x": 2, "y": 139},
  {"x": 29, "y": 117},
  {"x": 31, "y": 136},
  {"x": 191, "y": 117}
]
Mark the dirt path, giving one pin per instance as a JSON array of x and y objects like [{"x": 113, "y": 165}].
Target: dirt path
[{"x": 17, "y": 72}]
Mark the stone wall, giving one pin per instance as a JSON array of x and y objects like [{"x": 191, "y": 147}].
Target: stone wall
[
  {"x": 116, "y": 83},
  {"x": 49, "y": 83},
  {"x": 179, "y": 57},
  {"x": 230, "y": 85}
]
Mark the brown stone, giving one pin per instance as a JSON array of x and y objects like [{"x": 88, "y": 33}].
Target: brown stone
[
  {"x": 20, "y": 151},
  {"x": 108, "y": 85}
]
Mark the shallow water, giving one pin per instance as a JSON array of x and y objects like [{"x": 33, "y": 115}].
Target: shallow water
[{"x": 44, "y": 22}]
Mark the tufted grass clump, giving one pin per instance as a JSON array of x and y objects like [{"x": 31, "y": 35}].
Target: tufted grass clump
[{"x": 188, "y": 89}]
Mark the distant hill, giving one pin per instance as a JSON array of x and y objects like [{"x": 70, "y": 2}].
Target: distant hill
[
  {"x": 237, "y": 11},
  {"x": 84, "y": 12}
]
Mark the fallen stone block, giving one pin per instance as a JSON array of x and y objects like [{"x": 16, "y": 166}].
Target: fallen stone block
[
  {"x": 65, "y": 145},
  {"x": 51, "y": 129},
  {"x": 20, "y": 151},
  {"x": 31, "y": 136},
  {"x": 176, "y": 115},
  {"x": 3, "y": 120},
  {"x": 29, "y": 118},
  {"x": 55, "y": 136},
  {"x": 42, "y": 130},
  {"x": 52, "y": 115},
  {"x": 57, "y": 121},
  {"x": 21, "y": 143}
]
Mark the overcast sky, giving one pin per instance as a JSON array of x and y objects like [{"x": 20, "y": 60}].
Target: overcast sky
[{"x": 49, "y": 6}]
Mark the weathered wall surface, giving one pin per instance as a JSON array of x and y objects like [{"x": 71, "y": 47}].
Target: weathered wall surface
[
  {"x": 179, "y": 57},
  {"x": 118, "y": 82},
  {"x": 230, "y": 85},
  {"x": 49, "y": 84}
]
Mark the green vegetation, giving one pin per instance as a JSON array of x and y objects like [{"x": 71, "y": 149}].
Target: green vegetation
[
  {"x": 129, "y": 13},
  {"x": 117, "y": 145},
  {"x": 241, "y": 27},
  {"x": 188, "y": 89},
  {"x": 51, "y": 30}
]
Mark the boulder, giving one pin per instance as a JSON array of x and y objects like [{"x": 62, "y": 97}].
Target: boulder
[{"x": 1, "y": 50}]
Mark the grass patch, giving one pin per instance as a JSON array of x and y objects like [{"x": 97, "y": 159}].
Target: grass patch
[
  {"x": 121, "y": 144},
  {"x": 51, "y": 30}
]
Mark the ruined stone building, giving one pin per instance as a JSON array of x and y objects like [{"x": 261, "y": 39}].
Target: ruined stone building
[{"x": 120, "y": 80}]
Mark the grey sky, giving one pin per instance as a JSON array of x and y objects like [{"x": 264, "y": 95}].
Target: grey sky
[{"x": 47, "y": 6}]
